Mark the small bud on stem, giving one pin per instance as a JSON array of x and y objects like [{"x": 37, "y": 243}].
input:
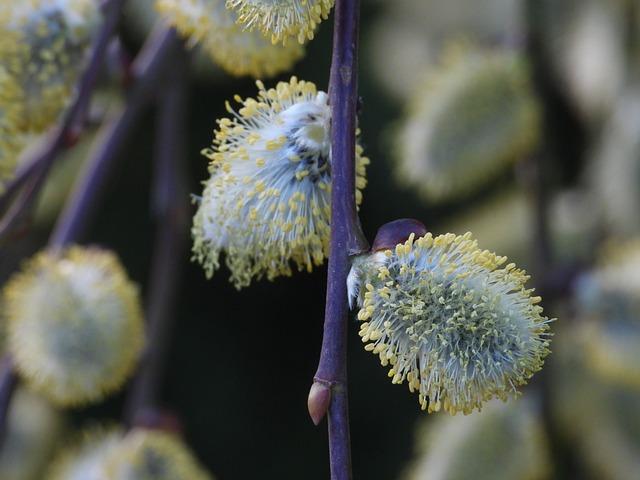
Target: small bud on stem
[
  {"x": 393, "y": 233},
  {"x": 318, "y": 402}
]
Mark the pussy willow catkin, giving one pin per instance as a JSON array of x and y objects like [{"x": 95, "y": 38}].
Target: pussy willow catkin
[
  {"x": 210, "y": 24},
  {"x": 42, "y": 47},
  {"x": 282, "y": 19},
  {"x": 503, "y": 442},
  {"x": 86, "y": 458},
  {"x": 267, "y": 202},
  {"x": 450, "y": 320},
  {"x": 474, "y": 114},
  {"x": 33, "y": 431},
  {"x": 74, "y": 324},
  {"x": 12, "y": 140},
  {"x": 607, "y": 302},
  {"x": 153, "y": 455}
]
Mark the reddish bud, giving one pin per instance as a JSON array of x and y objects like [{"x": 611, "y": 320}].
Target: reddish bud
[
  {"x": 393, "y": 233},
  {"x": 155, "y": 419},
  {"x": 318, "y": 402},
  {"x": 71, "y": 137}
]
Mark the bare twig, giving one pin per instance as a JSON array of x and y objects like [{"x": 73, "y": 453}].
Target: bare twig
[
  {"x": 151, "y": 64},
  {"x": 330, "y": 385},
  {"x": 34, "y": 172},
  {"x": 170, "y": 205},
  {"x": 8, "y": 381}
]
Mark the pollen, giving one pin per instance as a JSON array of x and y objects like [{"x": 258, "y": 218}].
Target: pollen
[
  {"x": 472, "y": 117},
  {"x": 280, "y": 20},
  {"x": 211, "y": 25},
  {"x": 153, "y": 455},
  {"x": 74, "y": 324},
  {"x": 270, "y": 215},
  {"x": 450, "y": 321}
]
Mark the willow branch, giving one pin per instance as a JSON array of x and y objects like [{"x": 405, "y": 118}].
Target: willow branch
[
  {"x": 34, "y": 172},
  {"x": 346, "y": 236},
  {"x": 171, "y": 208},
  {"x": 8, "y": 382},
  {"x": 151, "y": 65}
]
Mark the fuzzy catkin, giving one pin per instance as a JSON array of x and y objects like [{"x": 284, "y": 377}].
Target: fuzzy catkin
[
  {"x": 473, "y": 116},
  {"x": 74, "y": 324},
  {"x": 282, "y": 19},
  {"x": 210, "y": 24},
  {"x": 43, "y": 45},
  {"x": 266, "y": 205},
  {"x": 153, "y": 455},
  {"x": 450, "y": 320}
]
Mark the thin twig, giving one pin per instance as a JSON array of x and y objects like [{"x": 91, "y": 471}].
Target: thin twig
[
  {"x": 346, "y": 236},
  {"x": 170, "y": 205},
  {"x": 152, "y": 64},
  {"x": 8, "y": 382},
  {"x": 35, "y": 170}
]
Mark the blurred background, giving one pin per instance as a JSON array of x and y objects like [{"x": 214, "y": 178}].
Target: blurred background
[{"x": 527, "y": 113}]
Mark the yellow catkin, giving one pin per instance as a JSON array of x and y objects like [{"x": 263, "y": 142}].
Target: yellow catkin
[
  {"x": 153, "y": 455},
  {"x": 74, "y": 324},
  {"x": 503, "y": 442},
  {"x": 43, "y": 45},
  {"x": 85, "y": 458},
  {"x": 212, "y": 26},
  {"x": 474, "y": 115},
  {"x": 450, "y": 319},
  {"x": 267, "y": 202},
  {"x": 281, "y": 20},
  {"x": 607, "y": 302}
]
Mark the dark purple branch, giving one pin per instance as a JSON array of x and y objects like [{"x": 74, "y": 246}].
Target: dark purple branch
[
  {"x": 35, "y": 170},
  {"x": 34, "y": 173},
  {"x": 346, "y": 236},
  {"x": 170, "y": 205},
  {"x": 151, "y": 64},
  {"x": 8, "y": 383}
]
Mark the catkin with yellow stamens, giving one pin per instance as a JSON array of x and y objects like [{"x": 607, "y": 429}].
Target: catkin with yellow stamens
[
  {"x": 153, "y": 455},
  {"x": 607, "y": 301},
  {"x": 74, "y": 324},
  {"x": 452, "y": 320},
  {"x": 504, "y": 442},
  {"x": 86, "y": 459},
  {"x": 266, "y": 205},
  {"x": 43, "y": 45},
  {"x": 282, "y": 19},
  {"x": 210, "y": 24},
  {"x": 473, "y": 116}
]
